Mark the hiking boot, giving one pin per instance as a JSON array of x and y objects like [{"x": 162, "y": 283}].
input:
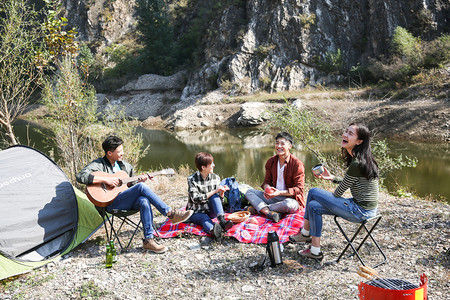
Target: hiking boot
[
  {"x": 216, "y": 232},
  {"x": 307, "y": 253},
  {"x": 225, "y": 224},
  {"x": 151, "y": 245},
  {"x": 178, "y": 216},
  {"x": 251, "y": 209},
  {"x": 274, "y": 216},
  {"x": 299, "y": 238}
]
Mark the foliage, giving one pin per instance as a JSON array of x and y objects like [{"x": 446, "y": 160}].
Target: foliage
[
  {"x": 72, "y": 108},
  {"x": 404, "y": 44},
  {"x": 90, "y": 290},
  {"x": 410, "y": 56},
  {"x": 306, "y": 127},
  {"x": 437, "y": 52},
  {"x": 71, "y": 111},
  {"x": 58, "y": 41},
  {"x": 85, "y": 59},
  {"x": 262, "y": 51},
  {"x": 332, "y": 62},
  {"x": 19, "y": 75},
  {"x": 386, "y": 162},
  {"x": 307, "y": 20},
  {"x": 157, "y": 36}
]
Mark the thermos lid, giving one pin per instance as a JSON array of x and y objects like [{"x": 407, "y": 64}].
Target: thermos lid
[{"x": 272, "y": 236}]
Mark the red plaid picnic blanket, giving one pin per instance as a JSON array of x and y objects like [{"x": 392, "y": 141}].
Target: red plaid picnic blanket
[{"x": 243, "y": 232}]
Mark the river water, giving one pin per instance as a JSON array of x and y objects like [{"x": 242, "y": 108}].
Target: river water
[{"x": 242, "y": 153}]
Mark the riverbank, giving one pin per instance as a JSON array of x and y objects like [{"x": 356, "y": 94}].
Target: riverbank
[
  {"x": 413, "y": 233},
  {"x": 419, "y": 118}
]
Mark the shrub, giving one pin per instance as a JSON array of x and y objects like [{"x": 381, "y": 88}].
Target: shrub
[
  {"x": 437, "y": 52},
  {"x": 262, "y": 51},
  {"x": 409, "y": 56},
  {"x": 307, "y": 20},
  {"x": 332, "y": 62}
]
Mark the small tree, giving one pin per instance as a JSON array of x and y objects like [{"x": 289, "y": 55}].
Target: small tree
[
  {"x": 72, "y": 103},
  {"x": 19, "y": 75},
  {"x": 157, "y": 36},
  {"x": 72, "y": 110},
  {"x": 309, "y": 129}
]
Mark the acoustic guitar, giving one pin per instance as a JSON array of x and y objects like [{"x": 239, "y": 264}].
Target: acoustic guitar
[{"x": 103, "y": 195}]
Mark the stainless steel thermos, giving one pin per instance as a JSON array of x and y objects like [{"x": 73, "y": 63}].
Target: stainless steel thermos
[{"x": 274, "y": 248}]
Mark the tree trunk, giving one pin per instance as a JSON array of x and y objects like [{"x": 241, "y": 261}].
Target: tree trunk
[{"x": 10, "y": 134}]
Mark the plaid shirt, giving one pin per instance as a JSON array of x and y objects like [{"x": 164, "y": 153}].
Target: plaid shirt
[{"x": 197, "y": 190}]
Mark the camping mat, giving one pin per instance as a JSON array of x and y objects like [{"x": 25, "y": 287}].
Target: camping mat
[{"x": 287, "y": 226}]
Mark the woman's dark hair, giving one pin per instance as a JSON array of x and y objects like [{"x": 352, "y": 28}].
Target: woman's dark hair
[
  {"x": 362, "y": 152},
  {"x": 203, "y": 159},
  {"x": 111, "y": 143}
]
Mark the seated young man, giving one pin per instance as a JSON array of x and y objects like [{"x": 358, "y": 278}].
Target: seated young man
[
  {"x": 137, "y": 197},
  {"x": 283, "y": 183}
]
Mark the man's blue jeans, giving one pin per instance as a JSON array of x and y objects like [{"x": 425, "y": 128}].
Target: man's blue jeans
[
  {"x": 205, "y": 220},
  {"x": 139, "y": 197},
  {"x": 321, "y": 202}
]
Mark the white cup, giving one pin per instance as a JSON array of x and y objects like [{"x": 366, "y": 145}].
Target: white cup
[{"x": 318, "y": 169}]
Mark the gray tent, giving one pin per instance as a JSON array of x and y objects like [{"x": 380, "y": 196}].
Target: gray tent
[{"x": 41, "y": 215}]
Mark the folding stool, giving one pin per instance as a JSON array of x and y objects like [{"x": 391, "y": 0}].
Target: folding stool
[
  {"x": 368, "y": 234},
  {"x": 123, "y": 216}
]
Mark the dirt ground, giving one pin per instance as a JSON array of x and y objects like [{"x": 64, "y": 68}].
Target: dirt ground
[{"x": 413, "y": 233}]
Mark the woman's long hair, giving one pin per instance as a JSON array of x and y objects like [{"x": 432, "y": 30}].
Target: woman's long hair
[{"x": 363, "y": 153}]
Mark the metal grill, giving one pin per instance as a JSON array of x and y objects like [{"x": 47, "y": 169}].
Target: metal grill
[{"x": 392, "y": 284}]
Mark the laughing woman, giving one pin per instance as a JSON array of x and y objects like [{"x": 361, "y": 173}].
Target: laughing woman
[{"x": 362, "y": 180}]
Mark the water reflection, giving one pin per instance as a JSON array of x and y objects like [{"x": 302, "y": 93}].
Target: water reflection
[{"x": 242, "y": 153}]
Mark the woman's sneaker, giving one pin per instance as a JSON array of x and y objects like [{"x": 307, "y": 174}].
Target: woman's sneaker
[
  {"x": 217, "y": 232},
  {"x": 307, "y": 253},
  {"x": 299, "y": 238}
]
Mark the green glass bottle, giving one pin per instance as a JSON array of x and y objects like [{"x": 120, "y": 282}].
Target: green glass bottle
[
  {"x": 108, "y": 256},
  {"x": 113, "y": 250}
]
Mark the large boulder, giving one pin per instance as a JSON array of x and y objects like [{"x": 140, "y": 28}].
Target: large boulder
[
  {"x": 253, "y": 114},
  {"x": 153, "y": 82}
]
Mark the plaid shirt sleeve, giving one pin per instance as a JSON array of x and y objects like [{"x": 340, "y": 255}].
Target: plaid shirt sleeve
[{"x": 197, "y": 190}]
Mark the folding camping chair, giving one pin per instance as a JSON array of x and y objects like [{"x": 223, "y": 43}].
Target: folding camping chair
[
  {"x": 368, "y": 234},
  {"x": 123, "y": 216}
]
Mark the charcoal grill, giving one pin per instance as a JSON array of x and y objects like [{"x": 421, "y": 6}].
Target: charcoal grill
[{"x": 393, "y": 289}]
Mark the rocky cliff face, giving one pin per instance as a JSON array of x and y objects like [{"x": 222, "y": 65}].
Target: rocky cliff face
[
  {"x": 275, "y": 45},
  {"x": 280, "y": 43},
  {"x": 101, "y": 21}
]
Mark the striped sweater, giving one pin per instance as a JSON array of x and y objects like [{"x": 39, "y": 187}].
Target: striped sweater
[{"x": 364, "y": 191}]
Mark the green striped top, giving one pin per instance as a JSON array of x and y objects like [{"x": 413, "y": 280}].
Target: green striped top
[{"x": 364, "y": 191}]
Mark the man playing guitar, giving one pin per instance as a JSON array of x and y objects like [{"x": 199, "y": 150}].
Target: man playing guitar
[{"x": 137, "y": 197}]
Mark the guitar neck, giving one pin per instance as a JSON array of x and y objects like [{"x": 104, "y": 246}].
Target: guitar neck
[{"x": 135, "y": 178}]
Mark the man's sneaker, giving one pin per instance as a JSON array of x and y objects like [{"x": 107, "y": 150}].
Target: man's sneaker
[
  {"x": 307, "y": 253},
  {"x": 274, "y": 216},
  {"x": 251, "y": 209},
  {"x": 151, "y": 245},
  {"x": 299, "y": 238},
  {"x": 178, "y": 216}
]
